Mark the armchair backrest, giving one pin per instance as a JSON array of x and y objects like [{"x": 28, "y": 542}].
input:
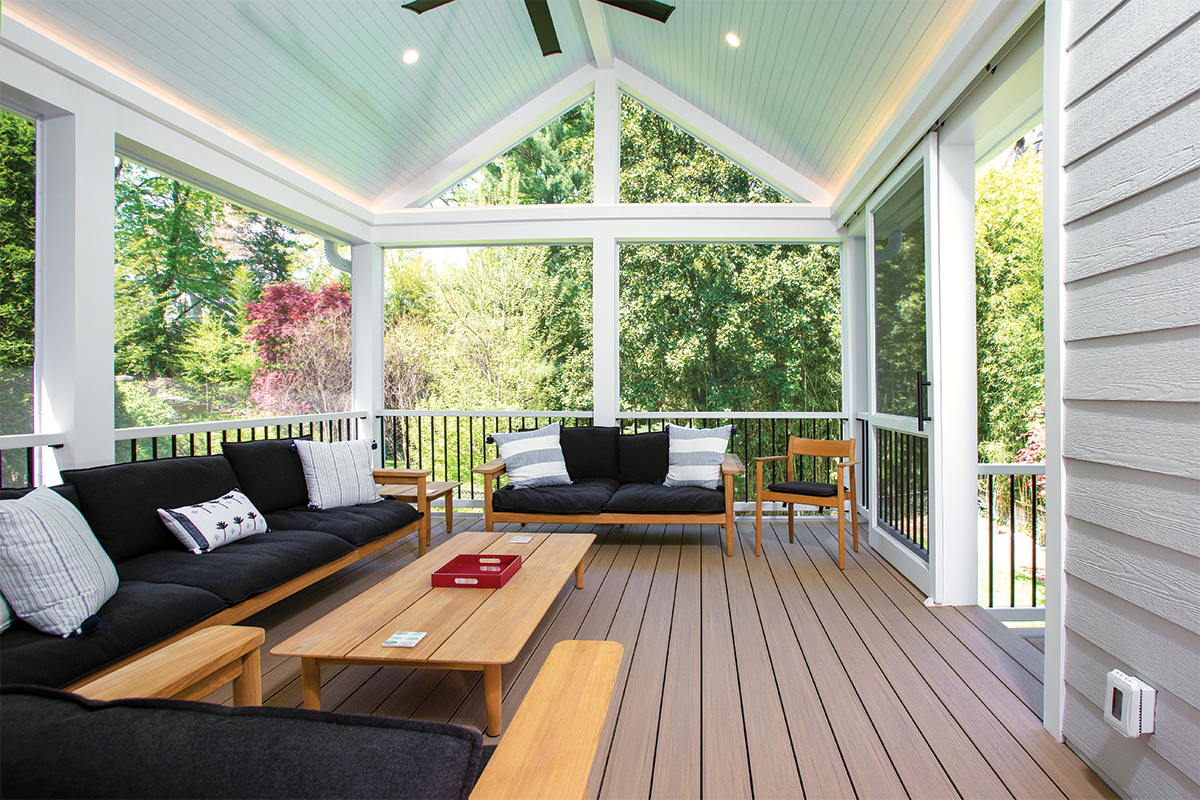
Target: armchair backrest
[{"x": 817, "y": 448}]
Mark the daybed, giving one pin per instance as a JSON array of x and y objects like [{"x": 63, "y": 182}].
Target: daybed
[
  {"x": 165, "y": 592},
  {"x": 616, "y": 479}
]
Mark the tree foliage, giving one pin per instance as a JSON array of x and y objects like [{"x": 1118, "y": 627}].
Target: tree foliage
[{"x": 17, "y": 176}]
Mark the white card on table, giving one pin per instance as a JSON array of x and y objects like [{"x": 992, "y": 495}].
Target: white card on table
[
  {"x": 520, "y": 539},
  {"x": 404, "y": 639}
]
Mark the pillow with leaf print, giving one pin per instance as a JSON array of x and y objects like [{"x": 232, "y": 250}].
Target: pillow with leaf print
[{"x": 207, "y": 526}]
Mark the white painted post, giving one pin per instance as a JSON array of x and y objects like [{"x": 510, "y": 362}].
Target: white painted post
[
  {"x": 854, "y": 345},
  {"x": 606, "y": 371},
  {"x": 366, "y": 325},
  {"x": 954, "y": 555},
  {"x": 75, "y": 245},
  {"x": 606, "y": 153}
]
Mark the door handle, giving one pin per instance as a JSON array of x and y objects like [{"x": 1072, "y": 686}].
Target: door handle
[{"x": 922, "y": 417}]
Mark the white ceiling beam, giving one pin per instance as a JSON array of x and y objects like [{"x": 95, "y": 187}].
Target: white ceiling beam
[
  {"x": 580, "y": 223},
  {"x": 597, "y": 31},
  {"x": 720, "y": 137},
  {"x": 495, "y": 141}
]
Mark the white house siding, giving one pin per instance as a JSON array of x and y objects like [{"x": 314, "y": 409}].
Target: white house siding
[{"x": 1131, "y": 382}]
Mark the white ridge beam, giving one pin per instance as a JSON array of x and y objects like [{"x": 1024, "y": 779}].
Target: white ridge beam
[{"x": 597, "y": 31}]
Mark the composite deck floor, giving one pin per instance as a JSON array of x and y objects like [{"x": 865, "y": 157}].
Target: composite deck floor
[{"x": 772, "y": 677}]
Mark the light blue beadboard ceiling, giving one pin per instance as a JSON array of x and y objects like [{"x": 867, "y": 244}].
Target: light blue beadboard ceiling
[{"x": 321, "y": 83}]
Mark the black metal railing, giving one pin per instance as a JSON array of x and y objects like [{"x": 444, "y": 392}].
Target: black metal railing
[
  {"x": 204, "y": 439},
  {"x": 902, "y": 489},
  {"x": 1012, "y": 500}
]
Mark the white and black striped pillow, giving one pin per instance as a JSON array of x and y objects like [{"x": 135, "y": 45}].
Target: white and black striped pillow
[
  {"x": 204, "y": 527},
  {"x": 53, "y": 571},
  {"x": 533, "y": 458},
  {"x": 694, "y": 457},
  {"x": 337, "y": 473}
]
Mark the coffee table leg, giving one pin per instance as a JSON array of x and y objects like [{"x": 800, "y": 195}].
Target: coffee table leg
[
  {"x": 310, "y": 680},
  {"x": 579, "y": 575},
  {"x": 491, "y": 697},
  {"x": 449, "y": 512}
]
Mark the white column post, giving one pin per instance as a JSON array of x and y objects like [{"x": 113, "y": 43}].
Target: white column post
[
  {"x": 606, "y": 153},
  {"x": 854, "y": 344},
  {"x": 606, "y": 369},
  {"x": 954, "y": 557},
  {"x": 366, "y": 359},
  {"x": 75, "y": 244}
]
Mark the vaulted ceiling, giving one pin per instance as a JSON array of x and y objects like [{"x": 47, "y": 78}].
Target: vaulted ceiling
[{"x": 321, "y": 83}]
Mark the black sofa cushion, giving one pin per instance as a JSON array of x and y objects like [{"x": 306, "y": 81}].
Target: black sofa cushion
[
  {"x": 805, "y": 487},
  {"x": 590, "y": 452},
  {"x": 121, "y": 501},
  {"x": 643, "y": 457},
  {"x": 240, "y": 569},
  {"x": 582, "y": 497},
  {"x": 269, "y": 472},
  {"x": 648, "y": 498},
  {"x": 137, "y": 616},
  {"x": 60, "y": 745},
  {"x": 65, "y": 489},
  {"x": 355, "y": 524}
]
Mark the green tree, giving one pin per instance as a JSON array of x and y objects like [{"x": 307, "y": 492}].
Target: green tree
[{"x": 17, "y": 176}]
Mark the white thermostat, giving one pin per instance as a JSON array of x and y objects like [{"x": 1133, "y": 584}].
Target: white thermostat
[{"x": 1129, "y": 704}]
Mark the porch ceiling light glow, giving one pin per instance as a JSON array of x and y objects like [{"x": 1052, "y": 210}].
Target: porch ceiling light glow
[
  {"x": 410, "y": 56},
  {"x": 733, "y": 39}
]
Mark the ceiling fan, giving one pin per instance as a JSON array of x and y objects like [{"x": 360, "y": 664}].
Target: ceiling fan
[{"x": 543, "y": 25}]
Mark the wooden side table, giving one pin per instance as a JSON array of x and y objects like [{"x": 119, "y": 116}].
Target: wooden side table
[
  {"x": 433, "y": 490},
  {"x": 191, "y": 669}
]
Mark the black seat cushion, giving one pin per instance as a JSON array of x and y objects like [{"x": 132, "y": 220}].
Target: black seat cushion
[
  {"x": 60, "y": 745},
  {"x": 805, "y": 487},
  {"x": 643, "y": 457},
  {"x": 269, "y": 472},
  {"x": 590, "y": 452},
  {"x": 120, "y": 502},
  {"x": 137, "y": 616},
  {"x": 242, "y": 568},
  {"x": 649, "y": 498},
  {"x": 581, "y": 497},
  {"x": 355, "y": 524}
]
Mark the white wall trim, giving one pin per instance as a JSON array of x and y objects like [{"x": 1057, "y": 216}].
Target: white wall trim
[{"x": 366, "y": 323}]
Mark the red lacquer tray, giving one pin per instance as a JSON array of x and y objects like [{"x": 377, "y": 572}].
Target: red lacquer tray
[{"x": 477, "y": 571}]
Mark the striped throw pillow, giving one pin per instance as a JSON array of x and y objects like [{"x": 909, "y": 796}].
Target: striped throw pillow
[
  {"x": 694, "y": 457},
  {"x": 338, "y": 474},
  {"x": 533, "y": 458},
  {"x": 204, "y": 527},
  {"x": 52, "y": 569},
  {"x": 5, "y": 615}
]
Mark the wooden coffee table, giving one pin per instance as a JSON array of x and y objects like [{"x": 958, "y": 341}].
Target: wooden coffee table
[{"x": 466, "y": 628}]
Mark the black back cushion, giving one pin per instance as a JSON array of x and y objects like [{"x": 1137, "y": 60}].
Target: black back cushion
[
  {"x": 643, "y": 457},
  {"x": 590, "y": 452},
  {"x": 121, "y": 502},
  {"x": 269, "y": 472},
  {"x": 59, "y": 745},
  {"x": 65, "y": 489}
]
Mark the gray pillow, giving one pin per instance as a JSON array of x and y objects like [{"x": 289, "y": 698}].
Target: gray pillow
[
  {"x": 696, "y": 456},
  {"x": 338, "y": 474},
  {"x": 533, "y": 458},
  {"x": 52, "y": 569}
]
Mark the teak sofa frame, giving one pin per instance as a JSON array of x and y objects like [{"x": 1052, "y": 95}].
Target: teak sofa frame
[
  {"x": 252, "y": 605},
  {"x": 492, "y": 471}
]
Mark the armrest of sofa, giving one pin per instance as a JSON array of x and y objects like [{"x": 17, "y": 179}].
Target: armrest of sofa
[
  {"x": 551, "y": 742},
  {"x": 402, "y": 476},
  {"x": 732, "y": 465},
  {"x": 492, "y": 469}
]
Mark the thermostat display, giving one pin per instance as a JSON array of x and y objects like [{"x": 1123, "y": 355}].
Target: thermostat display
[{"x": 1129, "y": 705}]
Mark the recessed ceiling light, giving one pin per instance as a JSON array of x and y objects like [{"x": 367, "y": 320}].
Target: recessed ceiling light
[
  {"x": 733, "y": 39},
  {"x": 410, "y": 56}
]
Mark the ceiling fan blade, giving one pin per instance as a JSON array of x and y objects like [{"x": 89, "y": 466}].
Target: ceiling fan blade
[
  {"x": 647, "y": 8},
  {"x": 421, "y": 6},
  {"x": 543, "y": 26}
]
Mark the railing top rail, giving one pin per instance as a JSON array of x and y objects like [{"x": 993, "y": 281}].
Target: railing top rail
[
  {"x": 125, "y": 434},
  {"x": 733, "y": 415},
  {"x": 1012, "y": 469},
  {"x": 400, "y": 412},
  {"x": 22, "y": 440}
]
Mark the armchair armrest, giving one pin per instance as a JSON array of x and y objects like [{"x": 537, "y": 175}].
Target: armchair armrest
[
  {"x": 841, "y": 464},
  {"x": 493, "y": 469},
  {"x": 732, "y": 465},
  {"x": 548, "y": 749},
  {"x": 769, "y": 458},
  {"x": 401, "y": 476}
]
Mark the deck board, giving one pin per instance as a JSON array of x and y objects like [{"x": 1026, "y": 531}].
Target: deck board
[{"x": 773, "y": 676}]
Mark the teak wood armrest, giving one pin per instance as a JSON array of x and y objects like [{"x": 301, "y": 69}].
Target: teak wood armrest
[
  {"x": 493, "y": 469},
  {"x": 551, "y": 742},
  {"x": 760, "y": 459},
  {"x": 732, "y": 465},
  {"x": 853, "y": 463},
  {"x": 405, "y": 476},
  {"x": 191, "y": 669}
]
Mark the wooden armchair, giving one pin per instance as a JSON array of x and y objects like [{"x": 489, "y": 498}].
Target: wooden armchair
[{"x": 822, "y": 495}]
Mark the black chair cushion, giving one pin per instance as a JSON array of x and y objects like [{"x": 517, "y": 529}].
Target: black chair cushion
[
  {"x": 355, "y": 524},
  {"x": 805, "y": 487},
  {"x": 590, "y": 452},
  {"x": 269, "y": 472},
  {"x": 643, "y": 457},
  {"x": 60, "y": 745},
  {"x": 582, "y": 497},
  {"x": 121, "y": 501},
  {"x": 137, "y": 616},
  {"x": 242, "y": 568},
  {"x": 649, "y": 498},
  {"x": 65, "y": 489}
]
